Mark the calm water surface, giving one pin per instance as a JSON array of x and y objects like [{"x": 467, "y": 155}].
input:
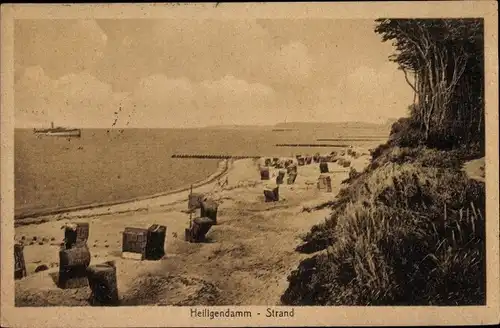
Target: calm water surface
[{"x": 109, "y": 165}]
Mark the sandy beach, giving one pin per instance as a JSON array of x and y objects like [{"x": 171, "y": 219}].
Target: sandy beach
[{"x": 245, "y": 261}]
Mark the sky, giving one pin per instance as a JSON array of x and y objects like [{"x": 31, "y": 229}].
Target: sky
[{"x": 189, "y": 73}]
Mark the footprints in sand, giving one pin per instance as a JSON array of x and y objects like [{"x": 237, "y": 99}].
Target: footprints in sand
[{"x": 36, "y": 240}]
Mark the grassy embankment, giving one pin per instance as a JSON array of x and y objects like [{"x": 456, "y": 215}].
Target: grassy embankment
[{"x": 410, "y": 229}]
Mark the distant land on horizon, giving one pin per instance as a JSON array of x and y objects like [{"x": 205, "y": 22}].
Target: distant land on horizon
[
  {"x": 297, "y": 125},
  {"x": 282, "y": 125},
  {"x": 350, "y": 124}
]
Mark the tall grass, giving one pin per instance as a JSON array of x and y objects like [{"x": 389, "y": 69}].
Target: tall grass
[{"x": 403, "y": 233}]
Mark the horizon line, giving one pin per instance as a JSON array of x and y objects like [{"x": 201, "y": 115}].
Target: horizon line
[{"x": 222, "y": 125}]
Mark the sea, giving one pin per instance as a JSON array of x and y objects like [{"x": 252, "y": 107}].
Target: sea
[{"x": 107, "y": 165}]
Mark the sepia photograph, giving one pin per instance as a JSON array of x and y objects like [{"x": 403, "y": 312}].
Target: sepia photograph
[{"x": 216, "y": 163}]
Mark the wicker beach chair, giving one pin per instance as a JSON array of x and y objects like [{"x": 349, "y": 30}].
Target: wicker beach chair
[
  {"x": 76, "y": 234},
  {"x": 271, "y": 195},
  {"x": 323, "y": 167},
  {"x": 325, "y": 183},
  {"x": 198, "y": 230},
  {"x": 155, "y": 245},
  {"x": 264, "y": 173},
  {"x": 19, "y": 263},
  {"x": 73, "y": 265},
  {"x": 103, "y": 284},
  {"x": 134, "y": 243}
]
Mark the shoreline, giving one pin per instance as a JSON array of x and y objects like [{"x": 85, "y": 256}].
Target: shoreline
[
  {"x": 245, "y": 240},
  {"x": 223, "y": 168}
]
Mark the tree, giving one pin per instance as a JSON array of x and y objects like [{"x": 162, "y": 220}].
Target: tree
[{"x": 442, "y": 61}]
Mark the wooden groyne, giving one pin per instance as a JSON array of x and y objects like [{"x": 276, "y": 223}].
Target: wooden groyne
[
  {"x": 353, "y": 139},
  {"x": 311, "y": 145},
  {"x": 201, "y": 156}
]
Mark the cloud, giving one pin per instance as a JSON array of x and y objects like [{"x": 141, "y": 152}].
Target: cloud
[
  {"x": 236, "y": 88},
  {"x": 59, "y": 46},
  {"x": 161, "y": 86},
  {"x": 234, "y": 101},
  {"x": 32, "y": 92},
  {"x": 291, "y": 63},
  {"x": 172, "y": 72},
  {"x": 82, "y": 86},
  {"x": 366, "y": 94},
  {"x": 74, "y": 99},
  {"x": 194, "y": 49},
  {"x": 159, "y": 101},
  {"x": 200, "y": 50}
]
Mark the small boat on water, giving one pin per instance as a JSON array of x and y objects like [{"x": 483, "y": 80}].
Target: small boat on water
[{"x": 58, "y": 131}]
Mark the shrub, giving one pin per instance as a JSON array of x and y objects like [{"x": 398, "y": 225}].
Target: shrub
[
  {"x": 401, "y": 125},
  {"x": 320, "y": 237},
  {"x": 379, "y": 150},
  {"x": 427, "y": 157},
  {"x": 406, "y": 133},
  {"x": 346, "y": 163}
]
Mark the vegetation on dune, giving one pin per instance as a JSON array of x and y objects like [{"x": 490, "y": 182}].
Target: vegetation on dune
[
  {"x": 410, "y": 228},
  {"x": 403, "y": 234}
]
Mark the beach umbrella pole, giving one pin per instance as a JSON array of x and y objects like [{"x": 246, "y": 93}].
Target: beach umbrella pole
[{"x": 191, "y": 211}]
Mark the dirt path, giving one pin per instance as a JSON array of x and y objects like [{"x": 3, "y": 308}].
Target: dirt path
[{"x": 245, "y": 261}]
